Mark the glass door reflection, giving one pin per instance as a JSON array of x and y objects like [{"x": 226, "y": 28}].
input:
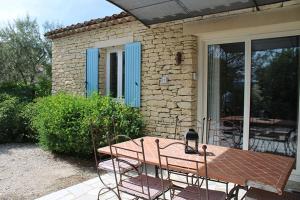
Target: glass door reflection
[
  {"x": 274, "y": 95},
  {"x": 226, "y": 77}
]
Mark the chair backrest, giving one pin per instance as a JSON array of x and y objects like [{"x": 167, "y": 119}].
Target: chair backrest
[
  {"x": 174, "y": 162},
  {"x": 213, "y": 128},
  {"x": 182, "y": 124},
  {"x": 99, "y": 137},
  {"x": 133, "y": 151}
]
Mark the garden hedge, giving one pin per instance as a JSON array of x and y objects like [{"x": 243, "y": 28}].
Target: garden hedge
[
  {"x": 13, "y": 123},
  {"x": 63, "y": 121},
  {"x": 15, "y": 115}
]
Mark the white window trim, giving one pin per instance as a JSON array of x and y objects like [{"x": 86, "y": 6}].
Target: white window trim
[
  {"x": 119, "y": 52},
  {"x": 240, "y": 36},
  {"x": 113, "y": 42}
]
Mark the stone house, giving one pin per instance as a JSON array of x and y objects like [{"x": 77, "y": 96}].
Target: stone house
[{"x": 209, "y": 66}]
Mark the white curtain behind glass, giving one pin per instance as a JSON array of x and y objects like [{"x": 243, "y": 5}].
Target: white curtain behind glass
[{"x": 214, "y": 86}]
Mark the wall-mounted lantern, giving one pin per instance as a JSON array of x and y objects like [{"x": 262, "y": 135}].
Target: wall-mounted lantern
[{"x": 178, "y": 58}]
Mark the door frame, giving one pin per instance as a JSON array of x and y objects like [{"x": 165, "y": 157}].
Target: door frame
[{"x": 239, "y": 35}]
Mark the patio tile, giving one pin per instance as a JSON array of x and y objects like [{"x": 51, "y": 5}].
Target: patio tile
[
  {"x": 87, "y": 197},
  {"x": 91, "y": 181},
  {"x": 89, "y": 190},
  {"x": 96, "y": 185},
  {"x": 94, "y": 191},
  {"x": 78, "y": 190},
  {"x": 68, "y": 197},
  {"x": 55, "y": 196}
]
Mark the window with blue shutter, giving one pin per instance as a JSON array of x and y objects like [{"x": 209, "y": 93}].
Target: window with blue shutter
[
  {"x": 133, "y": 74},
  {"x": 92, "y": 63}
]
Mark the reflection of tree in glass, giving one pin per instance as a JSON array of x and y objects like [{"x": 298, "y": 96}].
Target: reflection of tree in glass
[
  {"x": 275, "y": 83},
  {"x": 232, "y": 80}
]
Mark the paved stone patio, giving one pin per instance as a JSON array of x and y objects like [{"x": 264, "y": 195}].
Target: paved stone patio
[{"x": 88, "y": 190}]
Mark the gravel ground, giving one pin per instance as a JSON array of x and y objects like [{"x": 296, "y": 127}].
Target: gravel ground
[{"x": 28, "y": 172}]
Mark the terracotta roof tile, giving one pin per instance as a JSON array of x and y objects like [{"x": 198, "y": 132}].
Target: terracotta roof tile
[{"x": 115, "y": 19}]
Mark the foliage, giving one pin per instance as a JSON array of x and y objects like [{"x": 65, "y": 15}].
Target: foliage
[
  {"x": 14, "y": 119},
  {"x": 13, "y": 126},
  {"x": 23, "y": 51},
  {"x": 276, "y": 78},
  {"x": 25, "y": 55},
  {"x": 63, "y": 121},
  {"x": 24, "y": 92},
  {"x": 25, "y": 70},
  {"x": 43, "y": 87}
]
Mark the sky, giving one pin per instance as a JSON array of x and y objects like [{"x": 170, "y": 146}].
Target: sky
[{"x": 65, "y": 12}]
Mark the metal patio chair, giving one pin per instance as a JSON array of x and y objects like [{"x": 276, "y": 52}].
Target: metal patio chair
[
  {"x": 227, "y": 132},
  {"x": 269, "y": 139},
  {"x": 194, "y": 191},
  {"x": 257, "y": 194},
  {"x": 180, "y": 127},
  {"x": 106, "y": 165},
  {"x": 141, "y": 186}
]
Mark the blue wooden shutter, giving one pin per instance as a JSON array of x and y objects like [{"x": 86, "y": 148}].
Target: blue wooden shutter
[
  {"x": 92, "y": 63},
  {"x": 133, "y": 74}
]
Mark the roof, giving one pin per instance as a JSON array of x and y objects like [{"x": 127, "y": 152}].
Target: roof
[
  {"x": 158, "y": 11},
  {"x": 151, "y": 12},
  {"x": 115, "y": 19}
]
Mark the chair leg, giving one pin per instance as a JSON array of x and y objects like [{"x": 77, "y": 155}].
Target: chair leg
[
  {"x": 187, "y": 179},
  {"x": 156, "y": 171},
  {"x": 172, "y": 193},
  {"x": 106, "y": 187},
  {"x": 226, "y": 188}
]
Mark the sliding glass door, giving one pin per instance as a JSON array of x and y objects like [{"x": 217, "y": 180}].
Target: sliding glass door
[
  {"x": 270, "y": 124},
  {"x": 226, "y": 72},
  {"x": 274, "y": 95}
]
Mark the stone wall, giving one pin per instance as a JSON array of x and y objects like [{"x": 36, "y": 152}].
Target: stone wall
[{"x": 160, "y": 103}]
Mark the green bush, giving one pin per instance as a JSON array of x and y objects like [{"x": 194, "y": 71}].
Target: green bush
[
  {"x": 63, "y": 121},
  {"x": 43, "y": 87},
  {"x": 14, "y": 120},
  {"x": 25, "y": 93},
  {"x": 13, "y": 126},
  {"x": 8, "y": 118}
]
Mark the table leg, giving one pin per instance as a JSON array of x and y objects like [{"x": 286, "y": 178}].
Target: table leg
[
  {"x": 234, "y": 192},
  {"x": 156, "y": 171}
]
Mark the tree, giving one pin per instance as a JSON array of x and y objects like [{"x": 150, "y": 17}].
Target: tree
[
  {"x": 277, "y": 82},
  {"x": 25, "y": 55}
]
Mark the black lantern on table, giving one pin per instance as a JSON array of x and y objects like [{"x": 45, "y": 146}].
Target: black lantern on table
[{"x": 191, "y": 142}]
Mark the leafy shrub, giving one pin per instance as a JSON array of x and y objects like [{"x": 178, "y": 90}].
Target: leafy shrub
[
  {"x": 26, "y": 113},
  {"x": 63, "y": 121},
  {"x": 13, "y": 126},
  {"x": 14, "y": 114},
  {"x": 43, "y": 87},
  {"x": 8, "y": 118},
  {"x": 25, "y": 93}
]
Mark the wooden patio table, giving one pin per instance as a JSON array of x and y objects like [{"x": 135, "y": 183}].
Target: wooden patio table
[{"x": 245, "y": 168}]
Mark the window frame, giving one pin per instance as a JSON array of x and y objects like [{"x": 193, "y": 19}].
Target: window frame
[{"x": 119, "y": 51}]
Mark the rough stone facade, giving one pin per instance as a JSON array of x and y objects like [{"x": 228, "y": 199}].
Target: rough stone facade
[{"x": 160, "y": 103}]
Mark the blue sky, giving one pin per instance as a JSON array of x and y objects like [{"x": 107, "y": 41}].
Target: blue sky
[{"x": 65, "y": 12}]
